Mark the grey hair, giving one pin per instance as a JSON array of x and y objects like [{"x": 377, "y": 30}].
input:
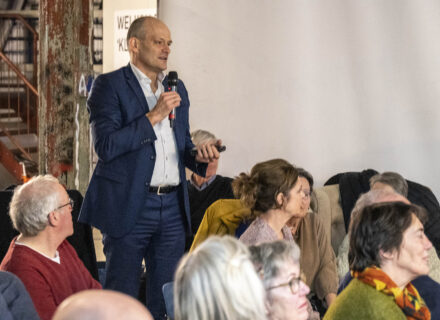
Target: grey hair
[
  {"x": 31, "y": 204},
  {"x": 269, "y": 258},
  {"x": 217, "y": 281},
  {"x": 200, "y": 137},
  {"x": 371, "y": 197},
  {"x": 393, "y": 179}
]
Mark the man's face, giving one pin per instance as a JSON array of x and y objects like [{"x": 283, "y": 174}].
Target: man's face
[
  {"x": 153, "y": 51},
  {"x": 65, "y": 212},
  {"x": 211, "y": 170}
]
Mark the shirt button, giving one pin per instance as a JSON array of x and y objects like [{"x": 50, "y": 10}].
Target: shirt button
[{"x": 152, "y": 157}]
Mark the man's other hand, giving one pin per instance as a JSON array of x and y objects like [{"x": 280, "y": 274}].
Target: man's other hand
[{"x": 208, "y": 152}]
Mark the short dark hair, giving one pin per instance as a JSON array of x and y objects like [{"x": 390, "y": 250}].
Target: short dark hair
[
  {"x": 136, "y": 29},
  {"x": 379, "y": 227},
  {"x": 393, "y": 179}
]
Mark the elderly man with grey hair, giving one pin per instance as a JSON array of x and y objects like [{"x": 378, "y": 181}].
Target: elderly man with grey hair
[
  {"x": 40, "y": 256},
  {"x": 391, "y": 181}
]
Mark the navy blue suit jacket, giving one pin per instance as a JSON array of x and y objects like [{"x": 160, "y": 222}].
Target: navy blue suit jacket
[{"x": 124, "y": 138}]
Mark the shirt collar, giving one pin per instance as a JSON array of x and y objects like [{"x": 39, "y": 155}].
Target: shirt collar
[{"x": 140, "y": 76}]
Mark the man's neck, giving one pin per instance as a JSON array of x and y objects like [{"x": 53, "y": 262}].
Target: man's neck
[
  {"x": 152, "y": 75},
  {"x": 43, "y": 243},
  {"x": 198, "y": 180}
]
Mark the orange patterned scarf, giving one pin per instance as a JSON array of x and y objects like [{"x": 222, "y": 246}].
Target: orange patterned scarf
[{"x": 407, "y": 299}]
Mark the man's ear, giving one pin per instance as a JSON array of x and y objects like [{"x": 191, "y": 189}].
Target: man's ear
[
  {"x": 133, "y": 44},
  {"x": 52, "y": 218}
]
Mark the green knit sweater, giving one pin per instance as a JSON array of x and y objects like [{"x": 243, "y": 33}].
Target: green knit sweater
[{"x": 362, "y": 302}]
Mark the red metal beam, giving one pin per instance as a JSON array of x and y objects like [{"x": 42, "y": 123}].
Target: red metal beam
[
  {"x": 9, "y": 162},
  {"x": 18, "y": 73}
]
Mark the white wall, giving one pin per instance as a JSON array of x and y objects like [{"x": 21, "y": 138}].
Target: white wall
[{"x": 331, "y": 86}]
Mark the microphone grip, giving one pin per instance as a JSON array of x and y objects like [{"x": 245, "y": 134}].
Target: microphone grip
[{"x": 172, "y": 115}]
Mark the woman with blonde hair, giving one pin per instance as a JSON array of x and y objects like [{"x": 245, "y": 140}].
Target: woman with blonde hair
[{"x": 217, "y": 281}]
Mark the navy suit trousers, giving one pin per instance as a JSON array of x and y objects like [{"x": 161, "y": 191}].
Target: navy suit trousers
[{"x": 159, "y": 238}]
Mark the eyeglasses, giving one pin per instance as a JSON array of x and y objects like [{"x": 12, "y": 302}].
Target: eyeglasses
[
  {"x": 294, "y": 284},
  {"x": 71, "y": 203}
]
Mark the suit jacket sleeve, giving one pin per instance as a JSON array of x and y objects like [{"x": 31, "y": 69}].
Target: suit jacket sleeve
[
  {"x": 189, "y": 160},
  {"x": 112, "y": 137}
]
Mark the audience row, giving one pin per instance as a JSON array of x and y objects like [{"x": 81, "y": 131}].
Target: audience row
[{"x": 282, "y": 267}]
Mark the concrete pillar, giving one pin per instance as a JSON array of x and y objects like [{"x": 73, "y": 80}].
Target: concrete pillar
[{"x": 65, "y": 64}]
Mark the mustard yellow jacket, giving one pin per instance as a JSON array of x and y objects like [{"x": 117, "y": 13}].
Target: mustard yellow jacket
[{"x": 222, "y": 217}]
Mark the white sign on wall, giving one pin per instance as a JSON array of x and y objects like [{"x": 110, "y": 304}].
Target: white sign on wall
[{"x": 122, "y": 21}]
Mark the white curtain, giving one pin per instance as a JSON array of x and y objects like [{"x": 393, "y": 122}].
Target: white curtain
[{"x": 331, "y": 86}]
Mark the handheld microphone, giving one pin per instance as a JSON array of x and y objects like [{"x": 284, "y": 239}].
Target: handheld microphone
[
  {"x": 193, "y": 151},
  {"x": 172, "y": 86}
]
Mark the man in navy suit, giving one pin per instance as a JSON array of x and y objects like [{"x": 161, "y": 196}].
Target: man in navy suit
[{"x": 137, "y": 196}]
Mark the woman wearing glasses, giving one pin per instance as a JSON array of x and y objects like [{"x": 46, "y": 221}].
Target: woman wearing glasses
[
  {"x": 317, "y": 256},
  {"x": 277, "y": 263},
  {"x": 279, "y": 195}
]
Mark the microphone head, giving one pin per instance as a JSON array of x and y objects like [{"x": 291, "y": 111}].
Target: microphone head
[{"x": 172, "y": 78}]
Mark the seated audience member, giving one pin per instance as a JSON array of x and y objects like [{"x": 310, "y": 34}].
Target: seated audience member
[
  {"x": 218, "y": 281},
  {"x": 15, "y": 302},
  {"x": 428, "y": 288},
  {"x": 204, "y": 191},
  {"x": 222, "y": 218},
  {"x": 40, "y": 256},
  {"x": 317, "y": 256},
  {"x": 101, "y": 305},
  {"x": 388, "y": 249},
  {"x": 274, "y": 194},
  {"x": 387, "y": 186},
  {"x": 278, "y": 264},
  {"x": 390, "y": 181}
]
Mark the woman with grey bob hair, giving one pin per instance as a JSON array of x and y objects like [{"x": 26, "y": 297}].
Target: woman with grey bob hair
[
  {"x": 31, "y": 204},
  {"x": 217, "y": 281},
  {"x": 278, "y": 264}
]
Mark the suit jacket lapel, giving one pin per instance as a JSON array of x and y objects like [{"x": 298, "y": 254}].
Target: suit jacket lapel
[{"x": 136, "y": 87}]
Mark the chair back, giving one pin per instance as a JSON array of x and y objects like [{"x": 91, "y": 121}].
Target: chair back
[{"x": 168, "y": 296}]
